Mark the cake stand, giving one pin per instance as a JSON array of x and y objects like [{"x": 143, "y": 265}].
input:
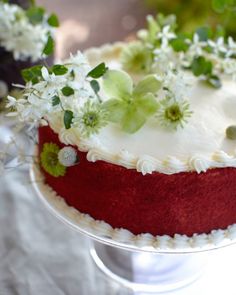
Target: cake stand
[{"x": 144, "y": 264}]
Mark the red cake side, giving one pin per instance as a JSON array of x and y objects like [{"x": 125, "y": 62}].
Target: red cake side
[{"x": 182, "y": 203}]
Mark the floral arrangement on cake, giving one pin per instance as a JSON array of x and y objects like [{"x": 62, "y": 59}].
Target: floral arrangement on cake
[
  {"x": 154, "y": 83},
  {"x": 28, "y": 34}
]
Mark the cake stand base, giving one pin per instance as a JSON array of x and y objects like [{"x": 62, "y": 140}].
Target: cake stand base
[{"x": 148, "y": 272}]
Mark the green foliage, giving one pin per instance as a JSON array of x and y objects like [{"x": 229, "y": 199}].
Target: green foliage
[
  {"x": 201, "y": 66},
  {"x": 67, "y": 91},
  {"x": 32, "y": 74},
  {"x": 98, "y": 71},
  {"x": 53, "y": 20},
  {"x": 68, "y": 118},
  {"x": 35, "y": 14},
  {"x": 49, "y": 47},
  {"x": 95, "y": 86},
  {"x": 231, "y": 132},
  {"x": 59, "y": 70},
  {"x": 55, "y": 100}
]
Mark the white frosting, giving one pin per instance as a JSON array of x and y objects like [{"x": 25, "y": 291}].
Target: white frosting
[
  {"x": 200, "y": 145},
  {"x": 148, "y": 242}
]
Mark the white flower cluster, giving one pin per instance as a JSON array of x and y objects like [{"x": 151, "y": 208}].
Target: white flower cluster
[
  {"x": 221, "y": 54},
  {"x": 19, "y": 36},
  {"x": 46, "y": 96}
]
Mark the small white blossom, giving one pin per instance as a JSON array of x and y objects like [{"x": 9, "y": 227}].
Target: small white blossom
[
  {"x": 166, "y": 35},
  {"x": 229, "y": 67},
  {"x": 19, "y": 36},
  {"x": 218, "y": 46},
  {"x": 196, "y": 46},
  {"x": 231, "y": 47},
  {"x": 67, "y": 156}
]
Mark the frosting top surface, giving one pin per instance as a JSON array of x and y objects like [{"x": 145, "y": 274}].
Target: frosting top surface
[{"x": 200, "y": 145}]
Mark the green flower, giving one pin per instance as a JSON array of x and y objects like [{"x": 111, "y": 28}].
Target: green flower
[
  {"x": 129, "y": 106},
  {"x": 172, "y": 113},
  {"x": 136, "y": 58},
  {"x": 91, "y": 118},
  {"x": 49, "y": 160}
]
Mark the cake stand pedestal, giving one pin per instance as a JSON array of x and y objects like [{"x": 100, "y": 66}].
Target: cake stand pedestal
[
  {"x": 142, "y": 269},
  {"x": 148, "y": 272}
]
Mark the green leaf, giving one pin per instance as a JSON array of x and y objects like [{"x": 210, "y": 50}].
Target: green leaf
[
  {"x": 201, "y": 66},
  {"x": 68, "y": 118},
  {"x": 147, "y": 105},
  {"x": 56, "y": 100},
  {"x": 214, "y": 81},
  {"x": 59, "y": 70},
  {"x": 204, "y": 33},
  {"x": 149, "y": 84},
  {"x": 118, "y": 84},
  {"x": 219, "y": 5},
  {"x": 95, "y": 86},
  {"x": 32, "y": 74},
  {"x": 67, "y": 91},
  {"x": 115, "y": 109},
  {"x": 133, "y": 120},
  {"x": 53, "y": 20},
  {"x": 98, "y": 71},
  {"x": 179, "y": 44},
  {"x": 35, "y": 14},
  {"x": 49, "y": 47}
]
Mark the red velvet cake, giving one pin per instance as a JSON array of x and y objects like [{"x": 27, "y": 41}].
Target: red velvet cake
[{"x": 141, "y": 137}]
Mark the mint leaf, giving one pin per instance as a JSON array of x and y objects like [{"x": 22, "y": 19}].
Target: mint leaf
[
  {"x": 201, "y": 66},
  {"x": 32, "y": 74},
  {"x": 117, "y": 84},
  {"x": 68, "y": 118},
  {"x": 55, "y": 100},
  {"x": 67, "y": 91},
  {"x": 49, "y": 47},
  {"x": 219, "y": 5},
  {"x": 115, "y": 109},
  {"x": 214, "y": 81},
  {"x": 59, "y": 70},
  {"x": 35, "y": 14},
  {"x": 53, "y": 20},
  {"x": 149, "y": 84},
  {"x": 98, "y": 71}
]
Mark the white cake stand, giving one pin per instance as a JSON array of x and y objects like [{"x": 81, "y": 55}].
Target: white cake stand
[{"x": 132, "y": 261}]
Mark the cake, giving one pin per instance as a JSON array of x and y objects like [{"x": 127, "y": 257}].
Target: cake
[{"x": 141, "y": 136}]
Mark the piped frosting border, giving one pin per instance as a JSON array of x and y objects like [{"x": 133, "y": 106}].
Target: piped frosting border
[{"x": 122, "y": 237}]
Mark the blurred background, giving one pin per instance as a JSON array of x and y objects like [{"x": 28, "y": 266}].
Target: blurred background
[{"x": 86, "y": 23}]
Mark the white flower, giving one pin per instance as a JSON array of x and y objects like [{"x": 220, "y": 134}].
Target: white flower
[
  {"x": 231, "y": 47},
  {"x": 218, "y": 46},
  {"x": 196, "y": 46},
  {"x": 178, "y": 83},
  {"x": 19, "y": 36},
  {"x": 166, "y": 35},
  {"x": 229, "y": 67},
  {"x": 67, "y": 156}
]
